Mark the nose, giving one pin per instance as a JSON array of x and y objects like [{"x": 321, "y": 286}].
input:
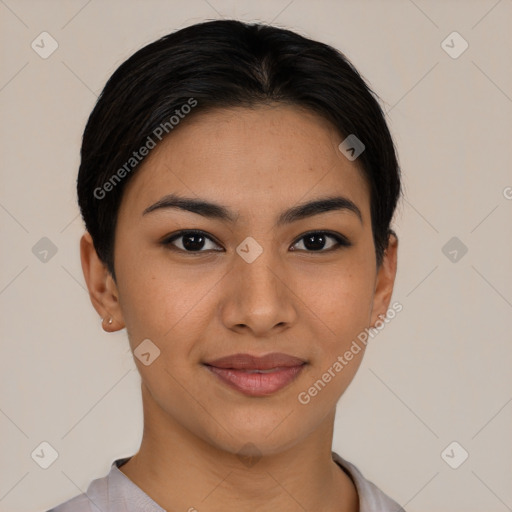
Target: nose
[{"x": 259, "y": 297}]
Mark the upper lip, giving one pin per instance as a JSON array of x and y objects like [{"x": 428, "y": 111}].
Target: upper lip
[{"x": 249, "y": 362}]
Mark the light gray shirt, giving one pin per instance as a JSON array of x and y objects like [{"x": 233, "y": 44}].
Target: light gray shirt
[{"x": 115, "y": 492}]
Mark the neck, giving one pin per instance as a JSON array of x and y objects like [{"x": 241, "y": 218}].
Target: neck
[{"x": 181, "y": 471}]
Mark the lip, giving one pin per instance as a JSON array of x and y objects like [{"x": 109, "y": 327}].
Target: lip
[
  {"x": 250, "y": 362},
  {"x": 241, "y": 372}
]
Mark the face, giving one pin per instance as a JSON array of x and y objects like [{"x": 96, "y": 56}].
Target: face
[{"x": 250, "y": 280}]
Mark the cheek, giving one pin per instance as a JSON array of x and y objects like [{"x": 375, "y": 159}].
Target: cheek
[
  {"x": 345, "y": 314},
  {"x": 340, "y": 294},
  {"x": 342, "y": 314},
  {"x": 164, "y": 302},
  {"x": 145, "y": 284},
  {"x": 341, "y": 299}
]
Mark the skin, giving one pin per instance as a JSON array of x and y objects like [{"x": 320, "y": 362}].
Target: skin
[{"x": 202, "y": 306}]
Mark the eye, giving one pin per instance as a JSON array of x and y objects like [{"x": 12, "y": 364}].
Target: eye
[
  {"x": 316, "y": 241},
  {"x": 190, "y": 241},
  {"x": 195, "y": 241}
]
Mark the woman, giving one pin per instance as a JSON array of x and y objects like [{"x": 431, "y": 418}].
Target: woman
[{"x": 237, "y": 184}]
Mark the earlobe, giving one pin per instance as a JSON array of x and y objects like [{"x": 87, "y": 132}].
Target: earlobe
[
  {"x": 385, "y": 280},
  {"x": 102, "y": 288}
]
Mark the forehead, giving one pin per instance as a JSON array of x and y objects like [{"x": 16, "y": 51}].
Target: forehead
[{"x": 252, "y": 158}]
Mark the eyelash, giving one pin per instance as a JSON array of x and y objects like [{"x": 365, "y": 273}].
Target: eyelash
[{"x": 340, "y": 239}]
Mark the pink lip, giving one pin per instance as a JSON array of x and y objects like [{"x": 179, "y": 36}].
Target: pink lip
[
  {"x": 257, "y": 384},
  {"x": 239, "y": 372},
  {"x": 249, "y": 362}
]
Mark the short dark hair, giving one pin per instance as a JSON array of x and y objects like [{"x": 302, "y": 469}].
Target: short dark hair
[{"x": 223, "y": 64}]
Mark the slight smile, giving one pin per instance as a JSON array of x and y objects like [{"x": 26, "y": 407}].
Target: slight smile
[{"x": 257, "y": 375}]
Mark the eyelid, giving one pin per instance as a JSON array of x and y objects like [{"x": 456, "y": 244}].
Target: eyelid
[
  {"x": 167, "y": 240},
  {"x": 342, "y": 240}
]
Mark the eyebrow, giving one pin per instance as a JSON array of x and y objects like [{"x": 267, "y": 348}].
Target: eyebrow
[{"x": 216, "y": 211}]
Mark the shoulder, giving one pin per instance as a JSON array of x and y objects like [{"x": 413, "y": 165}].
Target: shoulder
[
  {"x": 371, "y": 498},
  {"x": 94, "y": 499},
  {"x": 101, "y": 493},
  {"x": 80, "y": 503}
]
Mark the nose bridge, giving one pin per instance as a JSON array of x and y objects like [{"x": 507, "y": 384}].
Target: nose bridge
[
  {"x": 259, "y": 297},
  {"x": 258, "y": 269}
]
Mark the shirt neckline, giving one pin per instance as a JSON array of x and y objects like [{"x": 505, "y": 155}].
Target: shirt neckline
[{"x": 117, "y": 475}]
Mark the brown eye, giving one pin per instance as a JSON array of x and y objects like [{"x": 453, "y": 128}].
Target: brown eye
[
  {"x": 318, "y": 241},
  {"x": 191, "y": 241}
]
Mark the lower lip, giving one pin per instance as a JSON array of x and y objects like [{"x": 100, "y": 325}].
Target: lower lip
[{"x": 257, "y": 384}]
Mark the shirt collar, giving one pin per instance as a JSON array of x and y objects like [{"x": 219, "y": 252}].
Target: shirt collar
[{"x": 131, "y": 498}]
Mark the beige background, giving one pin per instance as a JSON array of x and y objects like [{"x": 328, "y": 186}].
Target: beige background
[{"x": 440, "y": 372}]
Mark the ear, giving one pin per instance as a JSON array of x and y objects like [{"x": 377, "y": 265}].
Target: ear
[
  {"x": 102, "y": 287},
  {"x": 385, "y": 280}
]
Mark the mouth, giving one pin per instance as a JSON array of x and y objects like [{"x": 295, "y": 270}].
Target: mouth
[{"x": 257, "y": 376}]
